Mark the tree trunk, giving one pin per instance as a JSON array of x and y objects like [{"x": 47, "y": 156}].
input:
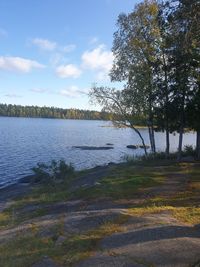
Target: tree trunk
[
  {"x": 180, "y": 143},
  {"x": 150, "y": 119},
  {"x": 182, "y": 115},
  {"x": 150, "y": 138},
  {"x": 142, "y": 139},
  {"x": 166, "y": 106},
  {"x": 167, "y": 143},
  {"x": 198, "y": 145},
  {"x": 153, "y": 140},
  {"x": 167, "y": 128}
]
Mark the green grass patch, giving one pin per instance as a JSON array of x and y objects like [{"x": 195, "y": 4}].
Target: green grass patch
[
  {"x": 123, "y": 182},
  {"x": 5, "y": 218},
  {"x": 190, "y": 215}
]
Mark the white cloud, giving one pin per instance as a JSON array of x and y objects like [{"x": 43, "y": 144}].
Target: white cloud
[
  {"x": 68, "y": 48},
  {"x": 44, "y": 44},
  {"x": 13, "y": 95},
  {"x": 19, "y": 64},
  {"x": 73, "y": 91},
  {"x": 98, "y": 59},
  {"x": 39, "y": 90},
  {"x": 68, "y": 71}
]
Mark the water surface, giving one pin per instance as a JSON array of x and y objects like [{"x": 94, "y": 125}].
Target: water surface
[{"x": 26, "y": 141}]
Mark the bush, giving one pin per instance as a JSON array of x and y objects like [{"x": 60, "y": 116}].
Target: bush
[
  {"x": 189, "y": 151},
  {"x": 57, "y": 171}
]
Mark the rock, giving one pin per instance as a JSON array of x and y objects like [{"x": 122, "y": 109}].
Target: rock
[
  {"x": 85, "y": 185},
  {"x": 141, "y": 146},
  {"x": 84, "y": 221},
  {"x": 111, "y": 163},
  {"x": 111, "y": 260},
  {"x": 93, "y": 147},
  {"x": 187, "y": 159},
  {"x": 26, "y": 180},
  {"x": 60, "y": 240},
  {"x": 132, "y": 146},
  {"x": 46, "y": 262},
  {"x": 46, "y": 233}
]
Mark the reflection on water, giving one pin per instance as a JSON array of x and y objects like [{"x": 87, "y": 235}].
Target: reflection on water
[{"x": 26, "y": 141}]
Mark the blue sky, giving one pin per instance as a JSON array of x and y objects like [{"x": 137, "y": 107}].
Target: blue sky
[{"x": 52, "y": 51}]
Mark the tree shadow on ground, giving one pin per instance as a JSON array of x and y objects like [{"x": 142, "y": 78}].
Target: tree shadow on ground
[{"x": 151, "y": 234}]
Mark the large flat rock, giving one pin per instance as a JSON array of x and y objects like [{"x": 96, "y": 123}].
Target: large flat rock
[{"x": 149, "y": 241}]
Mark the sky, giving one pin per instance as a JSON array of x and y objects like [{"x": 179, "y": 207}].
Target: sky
[{"x": 52, "y": 51}]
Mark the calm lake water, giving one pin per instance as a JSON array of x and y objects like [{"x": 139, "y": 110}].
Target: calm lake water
[{"x": 26, "y": 141}]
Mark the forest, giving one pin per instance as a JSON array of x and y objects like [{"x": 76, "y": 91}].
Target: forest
[
  {"x": 156, "y": 52},
  {"x": 50, "y": 112}
]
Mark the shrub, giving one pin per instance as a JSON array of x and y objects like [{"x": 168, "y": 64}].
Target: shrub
[
  {"x": 57, "y": 171},
  {"x": 189, "y": 151}
]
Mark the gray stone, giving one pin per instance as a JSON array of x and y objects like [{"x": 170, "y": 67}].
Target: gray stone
[
  {"x": 60, "y": 240},
  {"x": 110, "y": 261},
  {"x": 46, "y": 262},
  {"x": 132, "y": 146},
  {"x": 187, "y": 159}
]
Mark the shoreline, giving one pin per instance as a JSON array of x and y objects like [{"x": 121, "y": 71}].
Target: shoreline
[
  {"x": 26, "y": 180},
  {"x": 18, "y": 187}
]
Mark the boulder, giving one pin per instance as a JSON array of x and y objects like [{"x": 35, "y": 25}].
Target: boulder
[
  {"x": 187, "y": 159},
  {"x": 26, "y": 180},
  {"x": 132, "y": 146},
  {"x": 93, "y": 147},
  {"x": 147, "y": 146}
]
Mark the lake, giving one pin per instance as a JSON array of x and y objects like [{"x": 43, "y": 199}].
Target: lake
[{"x": 26, "y": 141}]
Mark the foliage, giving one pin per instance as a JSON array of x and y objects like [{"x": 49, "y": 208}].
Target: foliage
[
  {"x": 189, "y": 151},
  {"x": 156, "y": 56},
  {"x": 57, "y": 171},
  {"x": 115, "y": 102},
  {"x": 50, "y": 112}
]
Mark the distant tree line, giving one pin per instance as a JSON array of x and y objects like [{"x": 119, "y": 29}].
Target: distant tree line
[
  {"x": 157, "y": 57},
  {"x": 50, "y": 112},
  {"x": 8, "y": 110}
]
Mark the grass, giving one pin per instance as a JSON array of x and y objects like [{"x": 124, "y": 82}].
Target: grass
[
  {"x": 125, "y": 181},
  {"x": 4, "y": 218},
  {"x": 24, "y": 251},
  {"x": 184, "y": 206},
  {"x": 189, "y": 215},
  {"x": 43, "y": 194}
]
